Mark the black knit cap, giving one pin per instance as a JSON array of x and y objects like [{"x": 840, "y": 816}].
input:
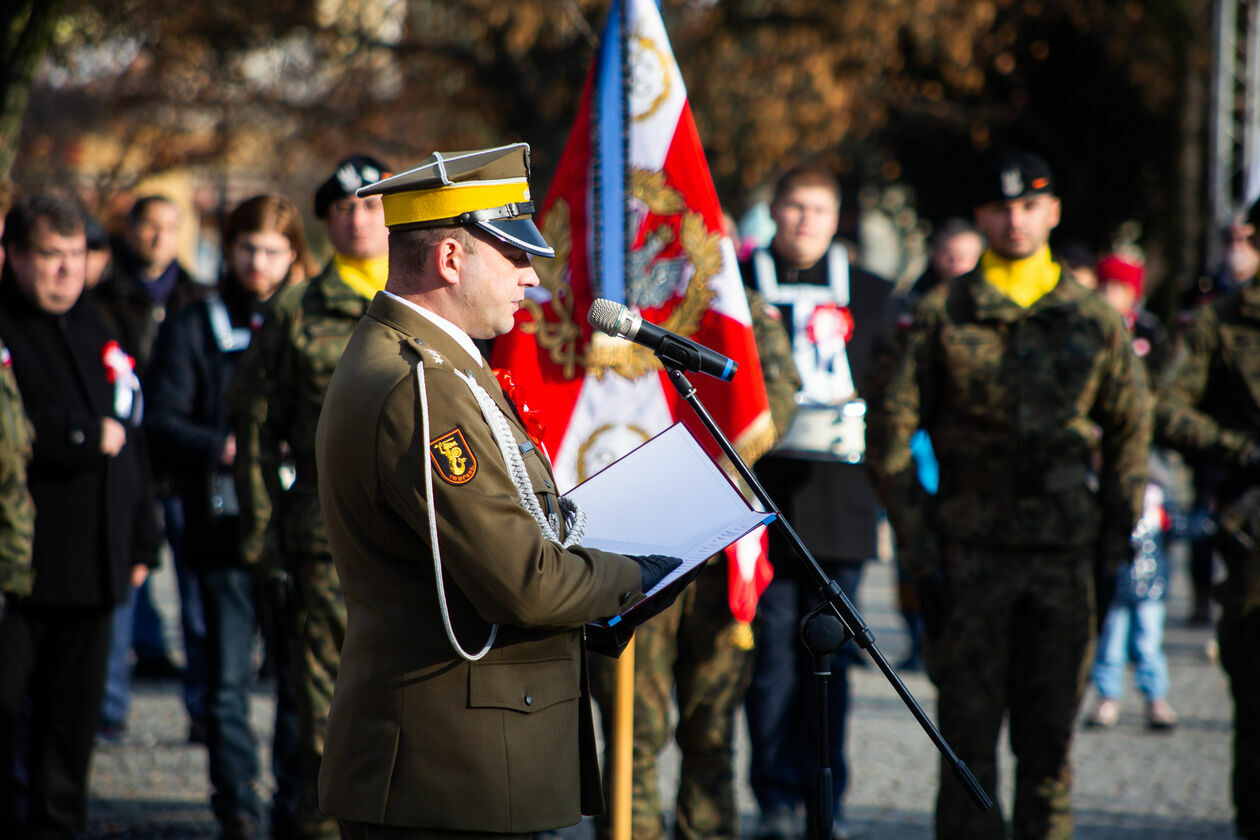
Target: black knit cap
[
  {"x": 1013, "y": 176},
  {"x": 356, "y": 171}
]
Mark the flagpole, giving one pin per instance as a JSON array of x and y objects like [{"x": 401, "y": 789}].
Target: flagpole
[{"x": 623, "y": 705}]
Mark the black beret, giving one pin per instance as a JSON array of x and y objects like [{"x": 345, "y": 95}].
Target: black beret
[
  {"x": 1014, "y": 176},
  {"x": 353, "y": 172}
]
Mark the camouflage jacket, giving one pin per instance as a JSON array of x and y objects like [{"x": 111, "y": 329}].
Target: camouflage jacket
[
  {"x": 275, "y": 403},
  {"x": 775, "y": 349},
  {"x": 17, "y": 512},
  {"x": 1209, "y": 408},
  {"x": 1039, "y": 417}
]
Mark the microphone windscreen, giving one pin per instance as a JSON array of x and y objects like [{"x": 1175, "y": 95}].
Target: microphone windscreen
[{"x": 604, "y": 315}]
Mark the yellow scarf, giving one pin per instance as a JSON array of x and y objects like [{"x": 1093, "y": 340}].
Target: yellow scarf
[
  {"x": 1023, "y": 281},
  {"x": 365, "y": 277}
]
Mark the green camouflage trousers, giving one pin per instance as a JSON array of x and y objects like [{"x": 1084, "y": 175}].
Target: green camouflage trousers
[
  {"x": 1017, "y": 637},
  {"x": 320, "y": 628},
  {"x": 696, "y": 648},
  {"x": 1239, "y": 636}
]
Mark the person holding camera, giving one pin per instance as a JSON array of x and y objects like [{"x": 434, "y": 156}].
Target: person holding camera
[{"x": 197, "y": 354}]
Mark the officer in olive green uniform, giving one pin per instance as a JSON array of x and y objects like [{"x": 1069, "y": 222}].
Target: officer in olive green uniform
[
  {"x": 1209, "y": 408},
  {"x": 697, "y": 654},
  {"x": 276, "y": 400},
  {"x": 1028, "y": 387},
  {"x": 17, "y": 513},
  {"x": 461, "y": 707}
]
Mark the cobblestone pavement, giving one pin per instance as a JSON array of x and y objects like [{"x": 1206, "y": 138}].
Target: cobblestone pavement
[{"x": 1131, "y": 784}]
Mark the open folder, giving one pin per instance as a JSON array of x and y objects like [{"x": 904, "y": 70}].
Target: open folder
[{"x": 665, "y": 497}]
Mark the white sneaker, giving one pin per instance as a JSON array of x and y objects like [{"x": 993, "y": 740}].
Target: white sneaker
[{"x": 1105, "y": 714}]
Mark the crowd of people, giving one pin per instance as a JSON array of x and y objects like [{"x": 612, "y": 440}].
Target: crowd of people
[{"x": 353, "y": 504}]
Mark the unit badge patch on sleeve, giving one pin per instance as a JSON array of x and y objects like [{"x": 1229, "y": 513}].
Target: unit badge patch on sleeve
[{"x": 453, "y": 457}]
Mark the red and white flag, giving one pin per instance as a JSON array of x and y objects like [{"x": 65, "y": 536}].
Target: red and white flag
[{"x": 601, "y": 396}]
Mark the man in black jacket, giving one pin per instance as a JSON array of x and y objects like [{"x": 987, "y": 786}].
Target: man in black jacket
[
  {"x": 144, "y": 286},
  {"x": 95, "y": 532}
]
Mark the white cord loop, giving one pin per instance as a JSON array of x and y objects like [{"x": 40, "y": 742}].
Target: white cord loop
[
  {"x": 433, "y": 534},
  {"x": 575, "y": 517}
]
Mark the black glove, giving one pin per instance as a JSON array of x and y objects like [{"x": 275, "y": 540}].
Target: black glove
[
  {"x": 611, "y": 640},
  {"x": 654, "y": 568}
]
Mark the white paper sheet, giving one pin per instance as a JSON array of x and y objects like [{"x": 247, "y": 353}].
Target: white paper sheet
[{"x": 665, "y": 497}]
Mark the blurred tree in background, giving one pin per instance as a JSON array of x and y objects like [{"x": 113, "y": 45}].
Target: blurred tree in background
[{"x": 904, "y": 93}]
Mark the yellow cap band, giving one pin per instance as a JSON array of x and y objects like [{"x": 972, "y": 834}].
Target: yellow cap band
[{"x": 449, "y": 201}]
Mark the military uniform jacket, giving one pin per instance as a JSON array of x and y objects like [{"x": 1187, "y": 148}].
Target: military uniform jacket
[
  {"x": 418, "y": 736},
  {"x": 1039, "y": 417},
  {"x": 17, "y": 513},
  {"x": 275, "y": 401},
  {"x": 1209, "y": 408}
]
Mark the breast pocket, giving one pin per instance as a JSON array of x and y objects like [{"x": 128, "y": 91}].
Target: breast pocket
[
  {"x": 321, "y": 345},
  {"x": 974, "y": 358},
  {"x": 1078, "y": 357}
]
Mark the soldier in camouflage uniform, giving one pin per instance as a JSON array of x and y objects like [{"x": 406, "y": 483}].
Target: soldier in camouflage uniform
[
  {"x": 1028, "y": 387},
  {"x": 277, "y": 397},
  {"x": 1209, "y": 408},
  {"x": 697, "y": 648},
  {"x": 17, "y": 513}
]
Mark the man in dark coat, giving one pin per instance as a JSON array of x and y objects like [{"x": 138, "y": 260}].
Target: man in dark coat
[
  {"x": 143, "y": 287},
  {"x": 95, "y": 533},
  {"x": 836, "y": 315},
  {"x": 146, "y": 283}
]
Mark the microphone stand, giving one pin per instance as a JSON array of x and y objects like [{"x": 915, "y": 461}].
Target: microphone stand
[
  {"x": 676, "y": 360},
  {"x": 823, "y": 634}
]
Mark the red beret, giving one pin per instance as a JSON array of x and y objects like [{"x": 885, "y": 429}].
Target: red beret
[{"x": 1114, "y": 268}]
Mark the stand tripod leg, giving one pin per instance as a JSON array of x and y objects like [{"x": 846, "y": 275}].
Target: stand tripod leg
[{"x": 823, "y": 634}]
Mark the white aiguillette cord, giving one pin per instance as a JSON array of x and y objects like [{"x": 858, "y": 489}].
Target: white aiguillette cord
[{"x": 574, "y": 516}]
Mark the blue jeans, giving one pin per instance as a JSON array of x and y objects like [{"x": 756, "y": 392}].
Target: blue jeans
[
  {"x": 192, "y": 618},
  {"x": 116, "y": 700},
  {"x": 136, "y": 624},
  {"x": 782, "y": 703},
  {"x": 1132, "y": 631},
  {"x": 231, "y": 624}
]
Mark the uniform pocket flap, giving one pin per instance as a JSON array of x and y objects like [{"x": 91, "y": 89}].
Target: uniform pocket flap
[{"x": 522, "y": 686}]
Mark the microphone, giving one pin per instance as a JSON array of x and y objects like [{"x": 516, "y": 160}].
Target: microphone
[{"x": 674, "y": 350}]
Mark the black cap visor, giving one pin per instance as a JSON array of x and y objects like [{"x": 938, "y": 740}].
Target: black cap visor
[{"x": 518, "y": 232}]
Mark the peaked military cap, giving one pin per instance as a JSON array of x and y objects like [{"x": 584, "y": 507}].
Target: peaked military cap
[
  {"x": 352, "y": 173},
  {"x": 488, "y": 188},
  {"x": 1015, "y": 175}
]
